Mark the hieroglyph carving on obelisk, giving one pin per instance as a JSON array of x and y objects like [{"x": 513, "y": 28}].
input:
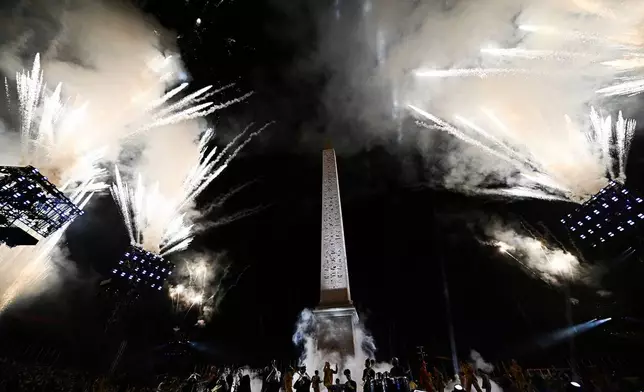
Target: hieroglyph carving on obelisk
[{"x": 334, "y": 285}]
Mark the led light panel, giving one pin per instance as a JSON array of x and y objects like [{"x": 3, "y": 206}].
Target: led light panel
[
  {"x": 613, "y": 213},
  {"x": 29, "y": 202},
  {"x": 143, "y": 268}
]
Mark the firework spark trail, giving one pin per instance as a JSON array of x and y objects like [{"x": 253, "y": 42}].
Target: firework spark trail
[
  {"x": 223, "y": 198},
  {"x": 49, "y": 131},
  {"x": 225, "y": 220},
  {"x": 625, "y": 131},
  {"x": 523, "y": 160},
  {"x": 600, "y": 135},
  {"x": 629, "y": 88},
  {"x": 187, "y": 108},
  {"x": 442, "y": 125},
  {"x": 146, "y": 210},
  {"x": 70, "y": 132},
  {"x": 200, "y": 179},
  {"x": 552, "y": 265},
  {"x": 507, "y": 250},
  {"x": 613, "y": 43},
  {"x": 523, "y": 164},
  {"x": 538, "y": 69},
  {"x": 521, "y": 192},
  {"x": 532, "y": 54},
  {"x": 200, "y": 285},
  {"x": 464, "y": 72}
]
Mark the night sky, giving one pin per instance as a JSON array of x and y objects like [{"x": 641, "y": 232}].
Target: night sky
[{"x": 400, "y": 229}]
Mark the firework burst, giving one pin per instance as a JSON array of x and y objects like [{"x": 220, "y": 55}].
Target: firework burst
[
  {"x": 605, "y": 143},
  {"x": 552, "y": 265},
  {"x": 76, "y": 117},
  {"x": 542, "y": 94},
  {"x": 25, "y": 268},
  {"x": 160, "y": 223},
  {"x": 200, "y": 286},
  {"x": 51, "y": 137}
]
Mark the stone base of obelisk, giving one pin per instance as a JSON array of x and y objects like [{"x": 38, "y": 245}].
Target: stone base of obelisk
[{"x": 335, "y": 330}]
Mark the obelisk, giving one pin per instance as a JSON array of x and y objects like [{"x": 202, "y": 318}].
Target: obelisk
[{"x": 336, "y": 317}]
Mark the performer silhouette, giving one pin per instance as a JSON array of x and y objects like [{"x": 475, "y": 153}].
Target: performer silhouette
[
  {"x": 350, "y": 385},
  {"x": 316, "y": 381},
  {"x": 328, "y": 374},
  {"x": 303, "y": 383},
  {"x": 272, "y": 380},
  {"x": 368, "y": 375}
]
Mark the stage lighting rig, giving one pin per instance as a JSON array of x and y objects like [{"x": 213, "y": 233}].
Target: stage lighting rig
[
  {"x": 31, "y": 207},
  {"x": 609, "y": 223},
  {"x": 143, "y": 269}
]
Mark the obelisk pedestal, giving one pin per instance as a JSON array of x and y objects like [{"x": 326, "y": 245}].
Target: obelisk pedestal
[{"x": 336, "y": 317}]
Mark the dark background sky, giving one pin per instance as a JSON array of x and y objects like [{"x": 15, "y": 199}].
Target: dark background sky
[{"x": 398, "y": 229}]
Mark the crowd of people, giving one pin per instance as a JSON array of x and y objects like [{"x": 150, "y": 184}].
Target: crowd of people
[
  {"x": 398, "y": 379},
  {"x": 16, "y": 376}
]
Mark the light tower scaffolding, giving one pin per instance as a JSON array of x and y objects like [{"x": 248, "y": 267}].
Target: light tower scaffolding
[
  {"x": 138, "y": 272},
  {"x": 31, "y": 207},
  {"x": 609, "y": 224},
  {"x": 143, "y": 269}
]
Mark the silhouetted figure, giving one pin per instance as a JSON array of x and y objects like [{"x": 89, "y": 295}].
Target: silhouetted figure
[
  {"x": 396, "y": 369},
  {"x": 271, "y": 381},
  {"x": 337, "y": 387},
  {"x": 328, "y": 374},
  {"x": 368, "y": 375},
  {"x": 469, "y": 378},
  {"x": 288, "y": 379},
  {"x": 425, "y": 379},
  {"x": 316, "y": 381},
  {"x": 192, "y": 381},
  {"x": 303, "y": 383},
  {"x": 350, "y": 385}
]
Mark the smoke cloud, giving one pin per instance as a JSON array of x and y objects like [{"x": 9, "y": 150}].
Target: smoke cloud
[
  {"x": 548, "y": 62},
  {"x": 109, "y": 58},
  {"x": 480, "y": 363},
  {"x": 201, "y": 283},
  {"x": 314, "y": 359},
  {"x": 550, "y": 264},
  {"x": 114, "y": 66}
]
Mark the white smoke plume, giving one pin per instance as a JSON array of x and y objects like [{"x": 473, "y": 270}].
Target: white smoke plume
[
  {"x": 544, "y": 261},
  {"x": 110, "y": 60},
  {"x": 200, "y": 284},
  {"x": 8, "y": 155},
  {"x": 479, "y": 362},
  {"x": 451, "y": 385},
  {"x": 114, "y": 65},
  {"x": 516, "y": 77},
  {"x": 314, "y": 359},
  {"x": 158, "y": 208},
  {"x": 27, "y": 272}
]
